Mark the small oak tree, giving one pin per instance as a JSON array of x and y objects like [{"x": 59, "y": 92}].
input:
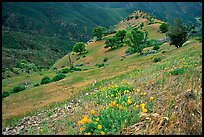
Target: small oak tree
[
  {"x": 178, "y": 33},
  {"x": 134, "y": 39},
  {"x": 98, "y": 32},
  {"x": 111, "y": 42},
  {"x": 164, "y": 27},
  {"x": 79, "y": 47}
]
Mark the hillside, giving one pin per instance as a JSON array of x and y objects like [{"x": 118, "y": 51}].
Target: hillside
[
  {"x": 130, "y": 94},
  {"x": 67, "y": 23},
  {"x": 96, "y": 55}
]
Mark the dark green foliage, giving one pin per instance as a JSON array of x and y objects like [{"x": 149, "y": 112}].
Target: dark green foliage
[
  {"x": 178, "y": 33},
  {"x": 45, "y": 80},
  {"x": 79, "y": 47},
  {"x": 111, "y": 42},
  {"x": 151, "y": 42},
  {"x": 100, "y": 65},
  {"x": 177, "y": 71},
  {"x": 58, "y": 77},
  {"x": 65, "y": 70},
  {"x": 164, "y": 27},
  {"x": 77, "y": 58},
  {"x": 75, "y": 69},
  {"x": 157, "y": 59},
  {"x": 98, "y": 32},
  {"x": 84, "y": 56},
  {"x": 163, "y": 51},
  {"x": 131, "y": 50},
  {"x": 135, "y": 39},
  {"x": 5, "y": 94},
  {"x": 156, "y": 47},
  {"x": 105, "y": 59},
  {"x": 23, "y": 64},
  {"x": 142, "y": 25},
  {"x": 120, "y": 35},
  {"x": 36, "y": 84},
  {"x": 18, "y": 88}
]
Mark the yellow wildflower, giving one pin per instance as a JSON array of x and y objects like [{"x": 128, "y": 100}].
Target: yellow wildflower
[
  {"x": 129, "y": 97},
  {"x": 112, "y": 104},
  {"x": 144, "y": 110},
  {"x": 97, "y": 119},
  {"x": 79, "y": 122},
  {"x": 137, "y": 106},
  {"x": 82, "y": 129},
  {"x": 129, "y": 101},
  {"x": 112, "y": 95},
  {"x": 144, "y": 93},
  {"x": 85, "y": 120},
  {"x": 106, "y": 96},
  {"x": 151, "y": 98},
  {"x": 99, "y": 126},
  {"x": 92, "y": 112},
  {"x": 87, "y": 133},
  {"x": 142, "y": 105},
  {"x": 120, "y": 107},
  {"x": 102, "y": 133},
  {"x": 138, "y": 90},
  {"x": 126, "y": 91}
]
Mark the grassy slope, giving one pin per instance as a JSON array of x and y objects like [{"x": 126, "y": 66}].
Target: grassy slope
[
  {"x": 35, "y": 98},
  {"x": 95, "y": 55}
]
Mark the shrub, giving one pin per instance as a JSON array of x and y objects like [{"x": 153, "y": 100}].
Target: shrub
[
  {"x": 5, "y": 94},
  {"x": 36, "y": 84},
  {"x": 45, "y": 80},
  {"x": 18, "y": 88},
  {"x": 100, "y": 65},
  {"x": 58, "y": 77},
  {"x": 156, "y": 47},
  {"x": 177, "y": 71},
  {"x": 75, "y": 69},
  {"x": 84, "y": 56},
  {"x": 65, "y": 70},
  {"x": 105, "y": 59},
  {"x": 163, "y": 27},
  {"x": 157, "y": 59}
]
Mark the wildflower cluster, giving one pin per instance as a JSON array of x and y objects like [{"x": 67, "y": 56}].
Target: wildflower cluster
[{"x": 118, "y": 106}]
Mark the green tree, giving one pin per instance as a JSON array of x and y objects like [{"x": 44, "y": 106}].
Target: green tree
[
  {"x": 23, "y": 64},
  {"x": 79, "y": 47},
  {"x": 164, "y": 27},
  {"x": 98, "y": 32},
  {"x": 111, "y": 42},
  {"x": 178, "y": 33},
  {"x": 120, "y": 36},
  {"x": 134, "y": 39}
]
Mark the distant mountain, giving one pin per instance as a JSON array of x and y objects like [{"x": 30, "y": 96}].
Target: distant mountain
[{"x": 48, "y": 30}]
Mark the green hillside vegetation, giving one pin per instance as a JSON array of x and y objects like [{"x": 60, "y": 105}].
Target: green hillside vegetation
[
  {"x": 109, "y": 91},
  {"x": 72, "y": 22}
]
